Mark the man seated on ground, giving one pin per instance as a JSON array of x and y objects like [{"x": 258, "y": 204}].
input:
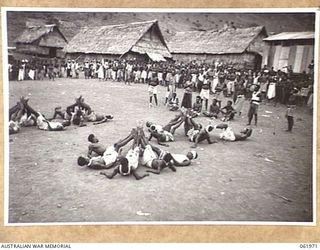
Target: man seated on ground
[
  {"x": 228, "y": 112},
  {"x": 228, "y": 135},
  {"x": 95, "y": 146},
  {"x": 155, "y": 158},
  {"x": 197, "y": 106},
  {"x": 174, "y": 102},
  {"x": 214, "y": 109},
  {"x": 129, "y": 164}
]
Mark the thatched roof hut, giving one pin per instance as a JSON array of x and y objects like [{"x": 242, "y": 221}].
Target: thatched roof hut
[
  {"x": 226, "y": 44},
  {"x": 140, "y": 39},
  {"x": 43, "y": 40},
  {"x": 214, "y": 42}
]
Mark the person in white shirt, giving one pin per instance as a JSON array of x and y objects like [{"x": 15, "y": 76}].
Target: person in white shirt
[
  {"x": 254, "y": 105},
  {"x": 184, "y": 160},
  {"x": 228, "y": 134}
]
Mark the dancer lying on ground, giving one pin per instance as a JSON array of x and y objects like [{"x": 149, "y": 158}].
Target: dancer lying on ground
[
  {"x": 35, "y": 118},
  {"x": 109, "y": 156},
  {"x": 177, "y": 159},
  {"x": 67, "y": 114},
  {"x": 198, "y": 134},
  {"x": 80, "y": 112},
  {"x": 182, "y": 160},
  {"x": 155, "y": 158},
  {"x": 16, "y": 114},
  {"x": 228, "y": 135},
  {"x": 128, "y": 165},
  {"x": 165, "y": 134}
]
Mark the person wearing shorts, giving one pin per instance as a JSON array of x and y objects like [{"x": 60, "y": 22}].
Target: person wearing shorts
[
  {"x": 205, "y": 91},
  {"x": 254, "y": 106},
  {"x": 152, "y": 89}
]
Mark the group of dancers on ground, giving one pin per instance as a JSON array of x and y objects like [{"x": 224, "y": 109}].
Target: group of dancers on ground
[
  {"x": 79, "y": 113},
  {"x": 141, "y": 151}
]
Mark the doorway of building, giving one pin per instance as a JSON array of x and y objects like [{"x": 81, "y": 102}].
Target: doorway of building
[
  {"x": 52, "y": 52},
  {"x": 257, "y": 62}
]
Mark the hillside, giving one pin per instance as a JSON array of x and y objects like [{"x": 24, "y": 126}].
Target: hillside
[{"x": 71, "y": 22}]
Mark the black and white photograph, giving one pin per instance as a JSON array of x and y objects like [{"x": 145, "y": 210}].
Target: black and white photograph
[{"x": 150, "y": 116}]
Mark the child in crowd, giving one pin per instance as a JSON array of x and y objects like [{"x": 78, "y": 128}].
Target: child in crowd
[
  {"x": 197, "y": 106},
  {"x": 174, "y": 102},
  {"x": 214, "y": 109},
  {"x": 228, "y": 112}
]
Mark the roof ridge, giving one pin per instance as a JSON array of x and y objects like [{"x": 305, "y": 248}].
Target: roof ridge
[{"x": 124, "y": 24}]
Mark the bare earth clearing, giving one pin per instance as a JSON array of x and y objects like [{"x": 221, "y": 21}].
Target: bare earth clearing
[{"x": 241, "y": 181}]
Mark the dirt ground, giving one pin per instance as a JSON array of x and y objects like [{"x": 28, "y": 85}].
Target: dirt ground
[{"x": 265, "y": 178}]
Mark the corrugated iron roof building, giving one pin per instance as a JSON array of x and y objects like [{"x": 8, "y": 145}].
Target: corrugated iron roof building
[
  {"x": 243, "y": 47},
  {"x": 140, "y": 40},
  {"x": 289, "y": 49},
  {"x": 45, "y": 41}
]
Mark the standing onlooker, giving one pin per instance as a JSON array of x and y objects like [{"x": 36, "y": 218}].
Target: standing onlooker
[
  {"x": 152, "y": 89},
  {"x": 254, "y": 105},
  {"x": 50, "y": 71},
  {"x": 289, "y": 116},
  {"x": 205, "y": 91},
  {"x": 68, "y": 67},
  {"x": 86, "y": 68},
  {"x": 187, "y": 96}
]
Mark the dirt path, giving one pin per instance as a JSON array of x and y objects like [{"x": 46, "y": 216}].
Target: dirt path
[{"x": 266, "y": 178}]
